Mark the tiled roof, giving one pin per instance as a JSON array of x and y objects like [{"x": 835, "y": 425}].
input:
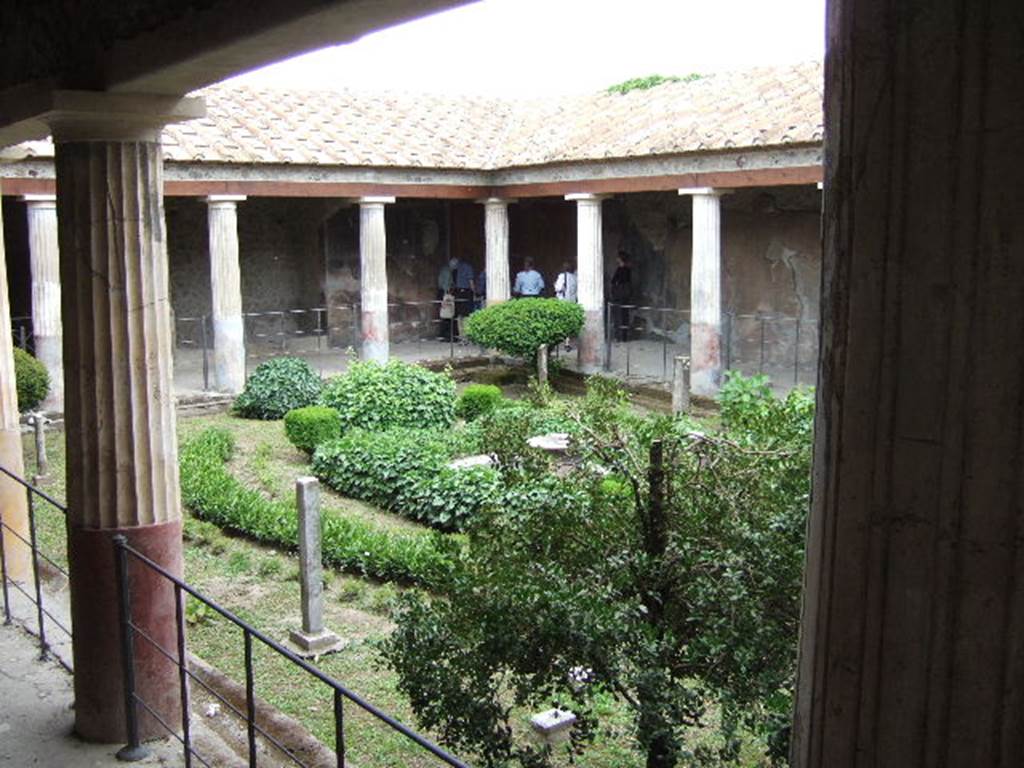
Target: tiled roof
[{"x": 764, "y": 107}]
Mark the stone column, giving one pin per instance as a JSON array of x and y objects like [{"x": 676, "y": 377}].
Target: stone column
[
  {"x": 706, "y": 292},
  {"x": 912, "y": 635},
  {"x": 13, "y": 506},
  {"x": 496, "y": 259},
  {"x": 226, "y": 282},
  {"x": 122, "y": 451},
  {"x": 590, "y": 280},
  {"x": 373, "y": 278},
  {"x": 44, "y": 258}
]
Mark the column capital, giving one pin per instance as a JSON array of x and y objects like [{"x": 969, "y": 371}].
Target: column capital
[
  {"x": 39, "y": 201},
  {"x": 232, "y": 199},
  {"x": 102, "y": 116},
  {"x": 705, "y": 191},
  {"x": 374, "y": 200},
  {"x": 502, "y": 201},
  {"x": 586, "y": 197}
]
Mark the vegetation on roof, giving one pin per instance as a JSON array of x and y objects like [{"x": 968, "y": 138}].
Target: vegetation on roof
[{"x": 651, "y": 81}]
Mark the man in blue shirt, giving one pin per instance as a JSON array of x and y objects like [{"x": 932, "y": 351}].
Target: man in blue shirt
[{"x": 528, "y": 282}]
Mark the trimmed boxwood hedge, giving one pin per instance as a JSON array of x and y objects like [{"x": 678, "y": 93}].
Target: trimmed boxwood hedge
[
  {"x": 276, "y": 387},
  {"x": 518, "y": 327},
  {"x": 307, "y": 427},
  {"x": 31, "y": 379},
  {"x": 213, "y": 494},
  {"x": 478, "y": 399}
]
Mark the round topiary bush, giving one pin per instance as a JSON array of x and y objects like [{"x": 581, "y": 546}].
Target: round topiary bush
[
  {"x": 476, "y": 400},
  {"x": 518, "y": 327},
  {"x": 307, "y": 427},
  {"x": 378, "y": 397},
  {"x": 276, "y": 387},
  {"x": 31, "y": 380}
]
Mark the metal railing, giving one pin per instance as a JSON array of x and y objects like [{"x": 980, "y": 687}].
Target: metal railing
[
  {"x": 21, "y": 331},
  {"x": 36, "y": 598},
  {"x": 642, "y": 341}
]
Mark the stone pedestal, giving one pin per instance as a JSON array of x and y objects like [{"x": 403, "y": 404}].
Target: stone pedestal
[
  {"x": 912, "y": 637},
  {"x": 373, "y": 279},
  {"x": 44, "y": 259},
  {"x": 13, "y": 504},
  {"x": 590, "y": 280},
  {"x": 313, "y": 639},
  {"x": 497, "y": 256},
  {"x": 226, "y": 282},
  {"x": 680, "y": 384},
  {"x": 122, "y": 452},
  {"x": 706, "y": 292}
]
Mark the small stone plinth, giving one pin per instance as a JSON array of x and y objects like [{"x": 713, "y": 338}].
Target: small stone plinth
[
  {"x": 319, "y": 644},
  {"x": 468, "y": 462},
  {"x": 553, "y": 725},
  {"x": 553, "y": 442}
]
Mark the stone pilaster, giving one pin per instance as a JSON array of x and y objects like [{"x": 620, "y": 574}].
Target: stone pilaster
[
  {"x": 706, "y": 292},
  {"x": 590, "y": 280},
  {"x": 226, "y": 282},
  {"x": 912, "y": 636},
  {"x": 496, "y": 254},
  {"x": 373, "y": 279},
  {"x": 122, "y": 453},
  {"x": 13, "y": 505},
  {"x": 44, "y": 257}
]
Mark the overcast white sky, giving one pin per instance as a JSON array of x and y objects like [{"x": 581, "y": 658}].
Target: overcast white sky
[{"x": 534, "y": 47}]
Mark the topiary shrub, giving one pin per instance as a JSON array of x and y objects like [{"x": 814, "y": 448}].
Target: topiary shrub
[
  {"x": 379, "y": 397},
  {"x": 406, "y": 471},
  {"x": 476, "y": 400},
  {"x": 307, "y": 427},
  {"x": 31, "y": 380},
  {"x": 278, "y": 386},
  {"x": 518, "y": 327}
]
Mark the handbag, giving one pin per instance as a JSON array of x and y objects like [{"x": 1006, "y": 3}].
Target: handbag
[{"x": 447, "y": 307}]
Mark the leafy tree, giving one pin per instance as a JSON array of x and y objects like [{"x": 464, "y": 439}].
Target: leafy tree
[
  {"x": 519, "y": 327},
  {"x": 665, "y": 571}
]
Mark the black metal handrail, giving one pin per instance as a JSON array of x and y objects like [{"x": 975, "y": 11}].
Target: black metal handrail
[
  {"x": 134, "y": 750},
  {"x": 32, "y": 543}
]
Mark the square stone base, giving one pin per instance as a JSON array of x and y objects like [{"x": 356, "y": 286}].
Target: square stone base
[{"x": 319, "y": 644}]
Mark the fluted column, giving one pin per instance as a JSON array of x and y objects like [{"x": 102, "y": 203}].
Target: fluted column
[
  {"x": 590, "y": 280},
  {"x": 496, "y": 255},
  {"x": 13, "y": 506},
  {"x": 122, "y": 451},
  {"x": 44, "y": 258},
  {"x": 912, "y": 633},
  {"x": 706, "y": 292},
  {"x": 373, "y": 279},
  {"x": 226, "y": 282}
]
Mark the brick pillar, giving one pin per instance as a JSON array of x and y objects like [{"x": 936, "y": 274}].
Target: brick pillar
[
  {"x": 912, "y": 639},
  {"x": 122, "y": 452}
]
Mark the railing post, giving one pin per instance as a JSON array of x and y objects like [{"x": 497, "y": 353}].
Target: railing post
[
  {"x": 250, "y": 698},
  {"x": 796, "y": 361},
  {"x": 608, "y": 337},
  {"x": 42, "y": 464},
  {"x": 339, "y": 728},
  {"x": 3, "y": 575},
  {"x": 35, "y": 574},
  {"x": 133, "y": 751},
  {"x": 186, "y": 724},
  {"x": 206, "y": 358}
]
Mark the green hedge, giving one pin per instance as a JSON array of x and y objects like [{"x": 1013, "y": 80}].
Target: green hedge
[
  {"x": 278, "y": 386},
  {"x": 31, "y": 380},
  {"x": 476, "y": 400},
  {"x": 213, "y": 494},
  {"x": 398, "y": 394},
  {"x": 518, "y": 327},
  {"x": 405, "y": 471},
  {"x": 307, "y": 427}
]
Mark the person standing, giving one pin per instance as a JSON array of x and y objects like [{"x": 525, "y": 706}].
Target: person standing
[
  {"x": 565, "y": 283},
  {"x": 529, "y": 282},
  {"x": 621, "y": 295}
]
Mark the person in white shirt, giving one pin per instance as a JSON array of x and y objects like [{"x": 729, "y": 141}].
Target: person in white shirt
[{"x": 565, "y": 283}]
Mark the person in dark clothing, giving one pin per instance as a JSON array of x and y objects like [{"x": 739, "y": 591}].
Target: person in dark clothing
[{"x": 621, "y": 294}]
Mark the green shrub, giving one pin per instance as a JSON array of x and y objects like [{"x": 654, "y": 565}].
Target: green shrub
[
  {"x": 504, "y": 431},
  {"x": 278, "y": 386},
  {"x": 405, "y": 471},
  {"x": 31, "y": 380},
  {"x": 476, "y": 400},
  {"x": 351, "y": 543},
  {"x": 307, "y": 427},
  {"x": 379, "y": 397},
  {"x": 518, "y": 327}
]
